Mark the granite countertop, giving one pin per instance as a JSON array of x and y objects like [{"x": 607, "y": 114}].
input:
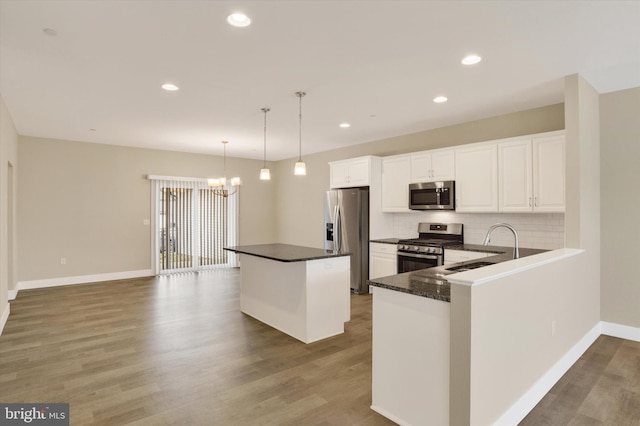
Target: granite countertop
[
  {"x": 432, "y": 282},
  {"x": 285, "y": 252},
  {"x": 386, "y": 240}
]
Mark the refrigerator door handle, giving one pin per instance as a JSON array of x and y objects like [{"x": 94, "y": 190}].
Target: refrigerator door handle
[{"x": 337, "y": 234}]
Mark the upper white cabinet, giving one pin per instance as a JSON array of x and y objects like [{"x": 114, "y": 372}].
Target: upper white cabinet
[
  {"x": 548, "y": 173},
  {"x": 477, "y": 178},
  {"x": 350, "y": 173},
  {"x": 515, "y": 176},
  {"x": 396, "y": 172},
  {"x": 436, "y": 165},
  {"x": 531, "y": 174}
]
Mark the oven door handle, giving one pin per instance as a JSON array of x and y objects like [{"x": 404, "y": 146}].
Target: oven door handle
[{"x": 419, "y": 256}]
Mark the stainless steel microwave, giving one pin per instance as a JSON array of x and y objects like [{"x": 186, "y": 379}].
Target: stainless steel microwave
[{"x": 432, "y": 195}]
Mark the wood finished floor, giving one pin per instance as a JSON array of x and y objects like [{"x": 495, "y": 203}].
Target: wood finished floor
[
  {"x": 177, "y": 350},
  {"x": 601, "y": 388}
]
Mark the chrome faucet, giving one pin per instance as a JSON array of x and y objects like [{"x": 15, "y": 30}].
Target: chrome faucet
[{"x": 487, "y": 238}]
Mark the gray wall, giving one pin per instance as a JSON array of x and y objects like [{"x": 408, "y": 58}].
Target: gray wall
[
  {"x": 8, "y": 202},
  {"x": 620, "y": 168},
  {"x": 87, "y": 203}
]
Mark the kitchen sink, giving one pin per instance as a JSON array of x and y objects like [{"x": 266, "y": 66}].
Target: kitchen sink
[{"x": 469, "y": 266}]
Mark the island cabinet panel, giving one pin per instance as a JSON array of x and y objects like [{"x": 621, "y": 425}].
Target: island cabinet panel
[
  {"x": 477, "y": 178},
  {"x": 396, "y": 172},
  {"x": 308, "y": 300},
  {"x": 410, "y": 357}
]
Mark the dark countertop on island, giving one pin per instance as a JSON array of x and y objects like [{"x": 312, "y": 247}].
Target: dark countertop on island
[
  {"x": 285, "y": 252},
  {"x": 432, "y": 282}
]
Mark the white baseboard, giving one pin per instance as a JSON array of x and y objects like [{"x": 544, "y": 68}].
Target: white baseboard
[
  {"x": 12, "y": 293},
  {"x": 4, "y": 317},
  {"x": 83, "y": 279},
  {"x": 525, "y": 404},
  {"x": 621, "y": 331},
  {"x": 388, "y": 415}
]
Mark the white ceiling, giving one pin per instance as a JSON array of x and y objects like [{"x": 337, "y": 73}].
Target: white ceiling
[{"x": 375, "y": 64}]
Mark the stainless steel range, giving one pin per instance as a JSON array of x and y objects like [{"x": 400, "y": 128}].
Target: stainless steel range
[{"x": 427, "y": 250}]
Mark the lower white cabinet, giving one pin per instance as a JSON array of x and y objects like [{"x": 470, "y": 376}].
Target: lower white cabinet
[
  {"x": 455, "y": 256},
  {"x": 383, "y": 260}
]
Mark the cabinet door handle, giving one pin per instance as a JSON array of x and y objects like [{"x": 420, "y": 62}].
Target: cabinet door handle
[
  {"x": 529, "y": 201},
  {"x": 535, "y": 201}
]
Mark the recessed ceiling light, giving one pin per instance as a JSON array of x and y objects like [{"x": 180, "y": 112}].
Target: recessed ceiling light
[
  {"x": 170, "y": 87},
  {"x": 440, "y": 99},
  {"x": 238, "y": 20},
  {"x": 471, "y": 60},
  {"x": 50, "y": 32},
  {"x": 345, "y": 125}
]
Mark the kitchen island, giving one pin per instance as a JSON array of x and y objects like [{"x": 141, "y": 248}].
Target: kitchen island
[{"x": 301, "y": 291}]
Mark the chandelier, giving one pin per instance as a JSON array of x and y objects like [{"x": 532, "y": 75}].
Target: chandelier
[{"x": 219, "y": 186}]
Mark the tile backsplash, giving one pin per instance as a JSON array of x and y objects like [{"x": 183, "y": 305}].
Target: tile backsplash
[{"x": 535, "y": 230}]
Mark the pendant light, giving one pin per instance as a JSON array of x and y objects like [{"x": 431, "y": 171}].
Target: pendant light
[
  {"x": 300, "y": 168},
  {"x": 218, "y": 186},
  {"x": 265, "y": 173}
]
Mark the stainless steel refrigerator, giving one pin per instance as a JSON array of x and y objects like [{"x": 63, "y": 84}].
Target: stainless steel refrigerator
[{"x": 346, "y": 227}]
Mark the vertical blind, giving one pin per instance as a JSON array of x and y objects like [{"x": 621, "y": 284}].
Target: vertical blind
[{"x": 192, "y": 225}]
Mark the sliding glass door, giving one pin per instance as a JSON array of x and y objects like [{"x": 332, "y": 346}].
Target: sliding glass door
[{"x": 192, "y": 226}]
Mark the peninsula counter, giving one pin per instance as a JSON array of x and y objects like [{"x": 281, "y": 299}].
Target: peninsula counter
[{"x": 301, "y": 291}]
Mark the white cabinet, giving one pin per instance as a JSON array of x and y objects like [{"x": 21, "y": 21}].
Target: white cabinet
[
  {"x": 477, "y": 178},
  {"x": 396, "y": 171},
  {"x": 455, "y": 256},
  {"x": 382, "y": 260},
  {"x": 548, "y": 173},
  {"x": 436, "y": 165},
  {"x": 531, "y": 174},
  {"x": 350, "y": 173},
  {"x": 515, "y": 180}
]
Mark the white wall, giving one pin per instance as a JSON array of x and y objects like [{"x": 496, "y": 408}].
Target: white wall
[{"x": 8, "y": 216}]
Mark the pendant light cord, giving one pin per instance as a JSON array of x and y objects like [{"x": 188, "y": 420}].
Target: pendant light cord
[
  {"x": 265, "y": 110},
  {"x": 300, "y": 95}
]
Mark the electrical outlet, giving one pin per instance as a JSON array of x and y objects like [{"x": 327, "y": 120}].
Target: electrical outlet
[
  {"x": 63, "y": 260},
  {"x": 553, "y": 328}
]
